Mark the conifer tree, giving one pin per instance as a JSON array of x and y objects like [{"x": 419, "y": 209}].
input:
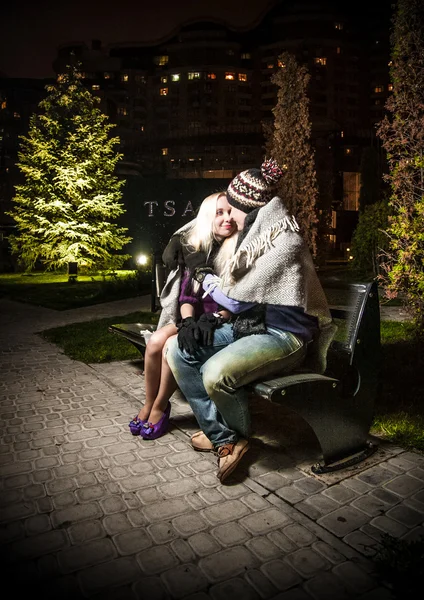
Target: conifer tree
[
  {"x": 402, "y": 133},
  {"x": 69, "y": 199},
  {"x": 288, "y": 142}
]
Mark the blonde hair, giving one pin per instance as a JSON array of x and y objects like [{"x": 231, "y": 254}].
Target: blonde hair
[
  {"x": 225, "y": 254},
  {"x": 201, "y": 235}
]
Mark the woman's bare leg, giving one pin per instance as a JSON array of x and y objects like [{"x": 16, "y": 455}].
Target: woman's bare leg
[
  {"x": 153, "y": 363},
  {"x": 167, "y": 387}
]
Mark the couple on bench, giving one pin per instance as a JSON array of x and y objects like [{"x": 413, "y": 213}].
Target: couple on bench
[{"x": 242, "y": 302}]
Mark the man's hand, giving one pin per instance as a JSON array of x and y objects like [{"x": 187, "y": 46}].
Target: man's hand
[{"x": 188, "y": 335}]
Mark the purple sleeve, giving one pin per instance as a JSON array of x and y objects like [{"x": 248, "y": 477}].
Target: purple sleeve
[
  {"x": 187, "y": 296},
  {"x": 220, "y": 298}
]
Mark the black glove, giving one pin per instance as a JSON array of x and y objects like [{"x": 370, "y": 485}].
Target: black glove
[
  {"x": 201, "y": 272},
  {"x": 207, "y": 324},
  {"x": 173, "y": 254},
  {"x": 188, "y": 335}
]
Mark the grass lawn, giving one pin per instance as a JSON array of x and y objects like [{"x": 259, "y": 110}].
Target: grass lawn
[
  {"x": 52, "y": 290},
  {"x": 399, "y": 410}
]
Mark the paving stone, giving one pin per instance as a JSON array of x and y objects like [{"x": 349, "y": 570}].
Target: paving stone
[
  {"x": 370, "y": 505},
  {"x": 282, "y": 575},
  {"x": 328, "y": 552},
  {"x": 166, "y": 509},
  {"x": 93, "y": 492},
  {"x": 299, "y": 534},
  {"x": 307, "y": 562},
  {"x": 184, "y": 580},
  {"x": 227, "y": 510},
  {"x": 19, "y": 510},
  {"x": 195, "y": 501},
  {"x": 150, "y": 588},
  {"x": 233, "y": 588},
  {"x": 37, "y": 524},
  {"x": 272, "y": 481},
  {"x": 85, "y": 532},
  {"x": 373, "y": 532},
  {"x": 290, "y": 494},
  {"x": 319, "y": 587},
  {"x": 37, "y": 545},
  {"x": 162, "y": 532},
  {"x": 57, "y": 486},
  {"x": 389, "y": 526},
  {"x": 203, "y": 544},
  {"x": 361, "y": 542},
  {"x": 401, "y": 462},
  {"x": 414, "y": 535},
  {"x": 34, "y": 491},
  {"x": 282, "y": 541},
  {"x": 179, "y": 488},
  {"x": 354, "y": 577},
  {"x": 261, "y": 583},
  {"x": 10, "y": 497},
  {"x": 227, "y": 563},
  {"x": 340, "y": 493},
  {"x": 385, "y": 496},
  {"x": 378, "y": 593},
  {"x": 404, "y": 485},
  {"x": 130, "y": 542},
  {"x": 317, "y": 506},
  {"x": 233, "y": 491},
  {"x": 254, "y": 502},
  {"x": 76, "y": 513},
  {"x": 11, "y": 531},
  {"x": 113, "y": 505},
  {"x": 183, "y": 551},
  {"x": 210, "y": 496},
  {"x": 86, "y": 555},
  {"x": 63, "y": 500},
  {"x": 86, "y": 479},
  {"x": 405, "y": 515},
  {"x": 189, "y": 524},
  {"x": 309, "y": 486},
  {"x": 376, "y": 476},
  {"x": 264, "y": 521},
  {"x": 343, "y": 520},
  {"x": 149, "y": 495},
  {"x": 138, "y": 482},
  {"x": 263, "y": 548},
  {"x": 293, "y": 594},
  {"x": 116, "y": 523},
  {"x": 414, "y": 457},
  {"x": 230, "y": 534},
  {"x": 102, "y": 577}
]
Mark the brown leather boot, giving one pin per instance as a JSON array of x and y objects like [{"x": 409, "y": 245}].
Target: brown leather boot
[
  {"x": 201, "y": 443},
  {"x": 229, "y": 456}
]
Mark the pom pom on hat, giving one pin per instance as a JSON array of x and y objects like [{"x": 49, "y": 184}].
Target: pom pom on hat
[{"x": 253, "y": 188}]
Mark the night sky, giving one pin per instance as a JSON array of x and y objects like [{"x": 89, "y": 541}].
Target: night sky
[{"x": 31, "y": 30}]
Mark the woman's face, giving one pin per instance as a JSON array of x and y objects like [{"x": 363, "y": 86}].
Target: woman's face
[{"x": 223, "y": 223}]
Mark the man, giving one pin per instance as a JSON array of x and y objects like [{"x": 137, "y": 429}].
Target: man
[{"x": 280, "y": 308}]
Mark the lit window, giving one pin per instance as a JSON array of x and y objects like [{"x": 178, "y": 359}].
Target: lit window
[
  {"x": 164, "y": 151},
  {"x": 16, "y": 115},
  {"x": 320, "y": 60},
  {"x": 175, "y": 77},
  {"x": 141, "y": 128},
  {"x": 122, "y": 111},
  {"x": 338, "y": 26},
  {"x": 246, "y": 56},
  {"x": 338, "y": 50},
  {"x": 342, "y": 134},
  {"x": 280, "y": 64},
  {"x": 194, "y": 75},
  {"x": 230, "y": 76},
  {"x": 161, "y": 60},
  {"x": 348, "y": 151},
  {"x": 125, "y": 77},
  {"x": 211, "y": 76},
  {"x": 164, "y": 79},
  {"x": 242, "y": 77},
  {"x": 378, "y": 89},
  {"x": 390, "y": 87},
  {"x": 163, "y": 91},
  {"x": 95, "y": 87},
  {"x": 107, "y": 75},
  {"x": 270, "y": 65},
  {"x": 3, "y": 105},
  {"x": 230, "y": 52}
]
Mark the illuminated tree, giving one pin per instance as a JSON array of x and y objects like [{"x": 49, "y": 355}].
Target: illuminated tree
[
  {"x": 288, "y": 141},
  {"x": 68, "y": 202},
  {"x": 402, "y": 133}
]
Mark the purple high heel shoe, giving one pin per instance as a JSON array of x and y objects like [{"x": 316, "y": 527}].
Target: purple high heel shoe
[
  {"x": 135, "y": 425},
  {"x": 150, "y": 431}
]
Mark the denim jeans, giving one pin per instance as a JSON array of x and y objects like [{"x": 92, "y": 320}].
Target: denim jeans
[{"x": 213, "y": 379}]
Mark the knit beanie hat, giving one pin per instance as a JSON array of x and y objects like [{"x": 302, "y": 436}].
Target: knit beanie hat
[{"x": 253, "y": 188}]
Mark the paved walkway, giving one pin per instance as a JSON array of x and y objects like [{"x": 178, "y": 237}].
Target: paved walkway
[{"x": 88, "y": 511}]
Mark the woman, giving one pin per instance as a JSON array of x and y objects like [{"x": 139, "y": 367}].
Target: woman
[{"x": 193, "y": 245}]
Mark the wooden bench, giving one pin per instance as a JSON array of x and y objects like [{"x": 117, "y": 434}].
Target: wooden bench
[{"x": 338, "y": 405}]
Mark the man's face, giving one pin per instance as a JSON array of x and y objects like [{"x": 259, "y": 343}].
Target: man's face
[{"x": 238, "y": 216}]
